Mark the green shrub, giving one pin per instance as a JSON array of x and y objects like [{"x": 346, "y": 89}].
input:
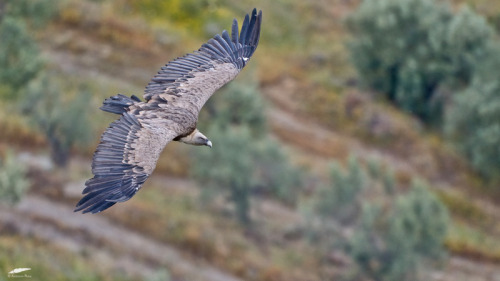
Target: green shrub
[
  {"x": 374, "y": 168},
  {"x": 228, "y": 166},
  {"x": 419, "y": 216},
  {"x": 389, "y": 182},
  {"x": 393, "y": 233},
  {"x": 392, "y": 243},
  {"x": 20, "y": 60},
  {"x": 240, "y": 104},
  {"x": 340, "y": 200},
  {"x": 36, "y": 12},
  {"x": 275, "y": 174},
  {"x": 416, "y": 51},
  {"x": 63, "y": 121},
  {"x": 473, "y": 121},
  {"x": 13, "y": 181},
  {"x": 160, "y": 275},
  {"x": 243, "y": 159},
  {"x": 19, "y": 57}
]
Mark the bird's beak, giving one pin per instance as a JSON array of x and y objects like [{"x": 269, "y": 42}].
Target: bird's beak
[{"x": 209, "y": 144}]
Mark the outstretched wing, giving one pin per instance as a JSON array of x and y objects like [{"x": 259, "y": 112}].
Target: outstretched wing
[
  {"x": 129, "y": 148},
  {"x": 124, "y": 159},
  {"x": 192, "y": 79}
]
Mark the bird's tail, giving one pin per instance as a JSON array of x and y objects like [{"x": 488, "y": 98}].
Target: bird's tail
[{"x": 118, "y": 104}]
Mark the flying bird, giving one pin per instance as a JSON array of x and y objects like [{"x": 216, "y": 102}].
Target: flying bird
[{"x": 130, "y": 147}]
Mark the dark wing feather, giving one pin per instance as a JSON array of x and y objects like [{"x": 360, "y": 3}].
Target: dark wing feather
[
  {"x": 234, "y": 31},
  {"x": 244, "y": 29},
  {"x": 117, "y": 175},
  {"x": 235, "y": 49}
]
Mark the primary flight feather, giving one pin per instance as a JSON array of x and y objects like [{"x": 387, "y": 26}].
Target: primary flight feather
[{"x": 130, "y": 147}]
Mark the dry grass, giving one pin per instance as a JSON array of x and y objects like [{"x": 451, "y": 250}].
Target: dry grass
[
  {"x": 211, "y": 235},
  {"x": 484, "y": 7},
  {"x": 329, "y": 148},
  {"x": 463, "y": 208},
  {"x": 15, "y": 130},
  {"x": 469, "y": 242},
  {"x": 102, "y": 22},
  {"x": 49, "y": 262}
]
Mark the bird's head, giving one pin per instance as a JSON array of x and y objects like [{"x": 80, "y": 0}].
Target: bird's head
[{"x": 196, "y": 138}]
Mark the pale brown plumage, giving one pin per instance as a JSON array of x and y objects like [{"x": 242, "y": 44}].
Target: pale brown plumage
[{"x": 131, "y": 146}]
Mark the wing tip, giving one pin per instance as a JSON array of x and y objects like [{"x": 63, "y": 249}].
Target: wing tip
[
  {"x": 254, "y": 12},
  {"x": 93, "y": 203},
  {"x": 114, "y": 180},
  {"x": 236, "y": 46},
  {"x": 250, "y": 32}
]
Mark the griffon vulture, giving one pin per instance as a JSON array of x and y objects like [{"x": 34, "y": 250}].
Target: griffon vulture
[{"x": 130, "y": 147}]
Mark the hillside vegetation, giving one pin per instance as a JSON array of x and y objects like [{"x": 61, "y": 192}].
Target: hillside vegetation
[{"x": 358, "y": 144}]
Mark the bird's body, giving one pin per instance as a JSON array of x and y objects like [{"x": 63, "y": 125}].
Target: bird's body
[{"x": 131, "y": 146}]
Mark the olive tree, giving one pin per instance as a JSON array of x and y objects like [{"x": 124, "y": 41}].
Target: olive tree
[
  {"x": 19, "y": 57},
  {"x": 393, "y": 242},
  {"x": 393, "y": 233},
  {"x": 243, "y": 161},
  {"x": 62, "y": 119},
  {"x": 473, "y": 120},
  {"x": 417, "y": 52}
]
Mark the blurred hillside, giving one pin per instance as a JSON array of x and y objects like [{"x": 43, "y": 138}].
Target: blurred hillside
[{"x": 317, "y": 171}]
